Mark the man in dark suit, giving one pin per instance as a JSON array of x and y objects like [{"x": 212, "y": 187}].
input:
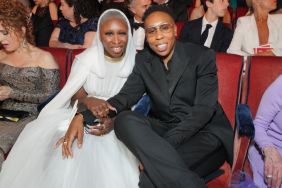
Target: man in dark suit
[
  {"x": 209, "y": 30},
  {"x": 179, "y": 8},
  {"x": 187, "y": 135}
]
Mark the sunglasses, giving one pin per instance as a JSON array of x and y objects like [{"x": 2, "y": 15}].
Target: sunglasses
[{"x": 164, "y": 28}]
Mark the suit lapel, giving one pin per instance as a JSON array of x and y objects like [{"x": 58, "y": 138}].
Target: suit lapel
[
  {"x": 217, "y": 37},
  {"x": 159, "y": 76},
  {"x": 178, "y": 65},
  {"x": 198, "y": 30}
]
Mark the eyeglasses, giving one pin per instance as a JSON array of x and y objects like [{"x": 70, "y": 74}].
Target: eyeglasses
[{"x": 164, "y": 28}]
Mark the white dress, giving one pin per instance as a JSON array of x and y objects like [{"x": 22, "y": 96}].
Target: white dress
[{"x": 102, "y": 162}]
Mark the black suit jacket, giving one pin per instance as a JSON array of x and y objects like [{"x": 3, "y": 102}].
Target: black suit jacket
[
  {"x": 191, "y": 32},
  {"x": 185, "y": 100}
]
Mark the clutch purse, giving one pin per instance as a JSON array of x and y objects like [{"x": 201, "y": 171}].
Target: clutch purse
[{"x": 12, "y": 115}]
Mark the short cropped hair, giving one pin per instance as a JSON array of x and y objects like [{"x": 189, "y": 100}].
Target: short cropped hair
[
  {"x": 203, "y": 2},
  {"x": 157, "y": 8}
]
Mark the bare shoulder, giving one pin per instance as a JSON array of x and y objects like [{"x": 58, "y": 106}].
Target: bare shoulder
[{"x": 46, "y": 59}]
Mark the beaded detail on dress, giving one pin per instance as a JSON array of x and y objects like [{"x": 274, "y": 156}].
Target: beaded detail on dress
[{"x": 31, "y": 86}]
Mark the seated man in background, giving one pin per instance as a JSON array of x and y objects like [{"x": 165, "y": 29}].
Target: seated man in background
[
  {"x": 209, "y": 29},
  {"x": 186, "y": 135},
  {"x": 137, "y": 8}
]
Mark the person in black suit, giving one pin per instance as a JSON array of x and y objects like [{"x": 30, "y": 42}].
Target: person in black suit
[
  {"x": 209, "y": 30},
  {"x": 179, "y": 8},
  {"x": 186, "y": 135}
]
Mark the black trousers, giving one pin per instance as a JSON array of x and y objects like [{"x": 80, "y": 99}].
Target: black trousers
[{"x": 166, "y": 166}]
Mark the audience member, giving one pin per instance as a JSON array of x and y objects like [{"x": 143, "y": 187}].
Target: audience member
[
  {"x": 199, "y": 10},
  {"x": 103, "y": 161},
  {"x": 278, "y": 9},
  {"x": 259, "y": 33},
  {"x": 179, "y": 8},
  {"x": 44, "y": 15},
  {"x": 265, "y": 154},
  {"x": 186, "y": 135},
  {"x": 28, "y": 75},
  {"x": 138, "y": 7},
  {"x": 78, "y": 26},
  {"x": 209, "y": 29}
]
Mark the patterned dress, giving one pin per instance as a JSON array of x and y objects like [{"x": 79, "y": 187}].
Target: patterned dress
[{"x": 31, "y": 86}]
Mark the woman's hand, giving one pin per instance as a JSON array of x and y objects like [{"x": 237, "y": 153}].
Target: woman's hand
[
  {"x": 98, "y": 107},
  {"x": 272, "y": 167},
  {"x": 75, "y": 131},
  {"x": 104, "y": 127},
  {"x": 5, "y": 92}
]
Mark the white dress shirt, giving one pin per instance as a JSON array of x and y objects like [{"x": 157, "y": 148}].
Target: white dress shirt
[
  {"x": 211, "y": 31},
  {"x": 138, "y": 37}
]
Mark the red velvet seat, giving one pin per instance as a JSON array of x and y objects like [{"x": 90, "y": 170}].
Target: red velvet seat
[
  {"x": 263, "y": 71},
  {"x": 73, "y": 54},
  {"x": 62, "y": 58},
  {"x": 179, "y": 26},
  {"x": 229, "y": 82}
]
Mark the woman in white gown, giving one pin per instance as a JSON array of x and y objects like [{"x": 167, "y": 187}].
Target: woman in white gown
[{"x": 103, "y": 161}]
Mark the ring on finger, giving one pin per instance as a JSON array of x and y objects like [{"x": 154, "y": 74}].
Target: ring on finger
[{"x": 269, "y": 176}]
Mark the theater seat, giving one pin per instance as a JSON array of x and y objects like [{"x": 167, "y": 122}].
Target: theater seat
[
  {"x": 229, "y": 82},
  {"x": 260, "y": 73},
  {"x": 74, "y": 53},
  {"x": 61, "y": 55},
  {"x": 263, "y": 71}
]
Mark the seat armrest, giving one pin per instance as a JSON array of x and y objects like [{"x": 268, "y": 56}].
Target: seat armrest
[{"x": 244, "y": 121}]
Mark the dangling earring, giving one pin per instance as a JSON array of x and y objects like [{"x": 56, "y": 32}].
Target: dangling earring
[{"x": 24, "y": 43}]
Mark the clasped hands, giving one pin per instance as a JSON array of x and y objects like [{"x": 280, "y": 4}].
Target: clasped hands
[{"x": 100, "y": 109}]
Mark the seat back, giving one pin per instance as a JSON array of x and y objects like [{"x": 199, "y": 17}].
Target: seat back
[
  {"x": 229, "y": 83},
  {"x": 263, "y": 71},
  {"x": 62, "y": 58}
]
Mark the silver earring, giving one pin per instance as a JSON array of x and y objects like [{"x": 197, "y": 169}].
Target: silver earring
[{"x": 24, "y": 43}]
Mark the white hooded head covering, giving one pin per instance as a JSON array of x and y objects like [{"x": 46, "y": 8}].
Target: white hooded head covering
[{"x": 93, "y": 60}]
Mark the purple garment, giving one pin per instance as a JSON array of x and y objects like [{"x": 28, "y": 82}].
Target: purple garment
[{"x": 268, "y": 129}]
